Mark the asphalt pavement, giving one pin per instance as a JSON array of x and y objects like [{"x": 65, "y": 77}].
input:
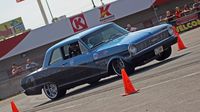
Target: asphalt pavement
[{"x": 172, "y": 85}]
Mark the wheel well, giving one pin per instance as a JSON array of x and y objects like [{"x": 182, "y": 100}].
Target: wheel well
[
  {"x": 110, "y": 69},
  {"x": 45, "y": 84}
]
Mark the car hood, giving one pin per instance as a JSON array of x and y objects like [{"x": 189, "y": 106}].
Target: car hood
[{"x": 133, "y": 37}]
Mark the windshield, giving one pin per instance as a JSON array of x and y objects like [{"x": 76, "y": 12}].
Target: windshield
[{"x": 103, "y": 35}]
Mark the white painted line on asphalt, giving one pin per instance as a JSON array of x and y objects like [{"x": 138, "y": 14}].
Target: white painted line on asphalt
[
  {"x": 164, "y": 82},
  {"x": 147, "y": 87},
  {"x": 62, "y": 108},
  {"x": 192, "y": 47},
  {"x": 150, "y": 86},
  {"x": 72, "y": 106}
]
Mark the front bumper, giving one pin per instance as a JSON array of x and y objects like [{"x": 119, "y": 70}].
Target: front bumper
[
  {"x": 147, "y": 54},
  {"x": 33, "y": 91}
]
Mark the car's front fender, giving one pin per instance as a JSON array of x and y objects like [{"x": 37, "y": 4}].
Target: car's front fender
[{"x": 109, "y": 64}]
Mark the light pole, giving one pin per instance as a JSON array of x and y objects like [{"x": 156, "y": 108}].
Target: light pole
[
  {"x": 155, "y": 12},
  {"x": 93, "y": 3},
  {"x": 42, "y": 12},
  {"x": 49, "y": 10},
  {"x": 102, "y": 2}
]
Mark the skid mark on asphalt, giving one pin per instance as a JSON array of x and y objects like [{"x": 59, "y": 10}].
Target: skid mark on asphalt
[
  {"x": 161, "y": 83},
  {"x": 168, "y": 71},
  {"x": 164, "y": 82},
  {"x": 147, "y": 87},
  {"x": 68, "y": 107},
  {"x": 193, "y": 47}
]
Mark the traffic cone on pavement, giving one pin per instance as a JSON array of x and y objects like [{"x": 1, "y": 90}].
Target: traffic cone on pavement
[
  {"x": 128, "y": 86},
  {"x": 14, "y": 107},
  {"x": 180, "y": 43}
]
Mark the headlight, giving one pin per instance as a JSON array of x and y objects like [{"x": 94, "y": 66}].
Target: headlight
[
  {"x": 132, "y": 49},
  {"x": 171, "y": 31}
]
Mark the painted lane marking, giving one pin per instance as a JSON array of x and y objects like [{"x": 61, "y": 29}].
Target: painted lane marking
[
  {"x": 147, "y": 87},
  {"x": 164, "y": 82}
]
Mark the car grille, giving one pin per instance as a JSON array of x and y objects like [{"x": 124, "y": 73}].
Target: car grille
[{"x": 151, "y": 41}]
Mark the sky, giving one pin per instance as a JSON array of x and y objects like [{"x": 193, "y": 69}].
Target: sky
[{"x": 31, "y": 15}]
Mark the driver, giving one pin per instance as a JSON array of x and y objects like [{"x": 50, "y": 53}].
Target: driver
[{"x": 74, "y": 50}]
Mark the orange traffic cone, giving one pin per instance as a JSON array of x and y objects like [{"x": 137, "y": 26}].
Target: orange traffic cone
[
  {"x": 128, "y": 86},
  {"x": 180, "y": 43},
  {"x": 14, "y": 107}
]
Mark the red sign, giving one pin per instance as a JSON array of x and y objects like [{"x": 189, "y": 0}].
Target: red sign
[
  {"x": 19, "y": 1},
  {"x": 105, "y": 14},
  {"x": 104, "y": 11},
  {"x": 78, "y": 23}
]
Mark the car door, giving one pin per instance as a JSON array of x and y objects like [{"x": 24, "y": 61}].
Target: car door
[
  {"x": 56, "y": 70},
  {"x": 80, "y": 65}
]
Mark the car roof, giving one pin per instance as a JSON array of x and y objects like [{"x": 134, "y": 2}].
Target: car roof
[{"x": 76, "y": 37}]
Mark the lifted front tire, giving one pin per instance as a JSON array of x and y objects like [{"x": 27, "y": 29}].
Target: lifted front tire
[
  {"x": 164, "y": 55},
  {"x": 118, "y": 64}
]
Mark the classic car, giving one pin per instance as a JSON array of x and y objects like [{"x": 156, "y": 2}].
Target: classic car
[{"x": 97, "y": 53}]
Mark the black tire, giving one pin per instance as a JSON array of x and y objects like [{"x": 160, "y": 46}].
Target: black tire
[
  {"x": 118, "y": 64},
  {"x": 52, "y": 91},
  {"x": 164, "y": 55}
]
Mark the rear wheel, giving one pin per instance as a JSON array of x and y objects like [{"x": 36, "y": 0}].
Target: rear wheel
[
  {"x": 164, "y": 55},
  {"x": 52, "y": 91},
  {"x": 119, "y": 64}
]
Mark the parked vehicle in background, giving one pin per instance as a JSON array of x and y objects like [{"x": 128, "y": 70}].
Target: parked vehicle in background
[{"x": 97, "y": 53}]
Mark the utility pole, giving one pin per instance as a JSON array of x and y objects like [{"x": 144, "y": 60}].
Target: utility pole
[
  {"x": 49, "y": 10},
  {"x": 102, "y": 2},
  {"x": 93, "y": 3},
  {"x": 42, "y": 12},
  {"x": 155, "y": 12}
]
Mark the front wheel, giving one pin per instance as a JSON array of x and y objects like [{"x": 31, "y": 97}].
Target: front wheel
[
  {"x": 52, "y": 91},
  {"x": 164, "y": 55},
  {"x": 119, "y": 64}
]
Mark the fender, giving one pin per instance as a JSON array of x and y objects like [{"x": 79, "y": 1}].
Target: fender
[{"x": 113, "y": 58}]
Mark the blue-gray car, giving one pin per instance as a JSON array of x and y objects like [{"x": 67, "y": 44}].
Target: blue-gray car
[{"x": 97, "y": 53}]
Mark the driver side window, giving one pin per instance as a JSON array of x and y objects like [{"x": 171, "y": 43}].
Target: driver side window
[{"x": 71, "y": 50}]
